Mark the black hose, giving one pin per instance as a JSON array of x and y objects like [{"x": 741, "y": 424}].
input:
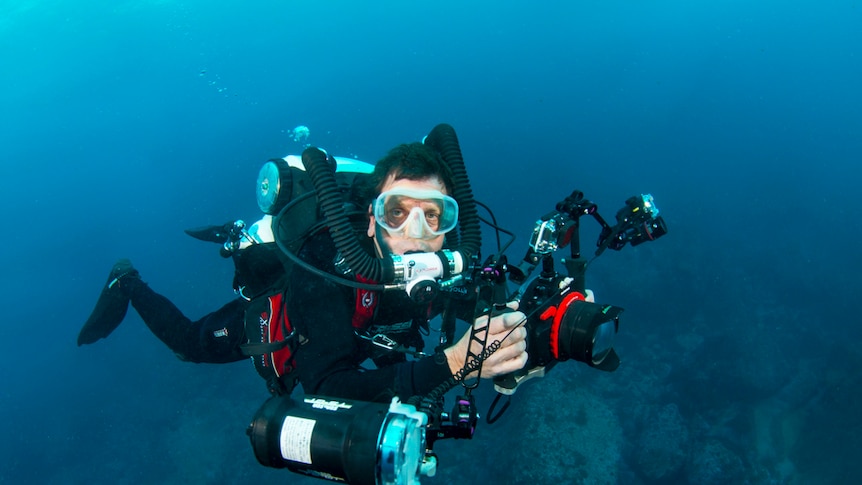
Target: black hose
[
  {"x": 322, "y": 175},
  {"x": 444, "y": 140}
]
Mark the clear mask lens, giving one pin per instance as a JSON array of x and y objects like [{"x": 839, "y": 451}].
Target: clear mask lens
[{"x": 419, "y": 214}]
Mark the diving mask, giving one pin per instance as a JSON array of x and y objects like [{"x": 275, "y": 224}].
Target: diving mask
[{"x": 420, "y": 214}]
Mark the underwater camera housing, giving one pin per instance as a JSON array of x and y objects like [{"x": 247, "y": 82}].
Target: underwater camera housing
[{"x": 561, "y": 324}]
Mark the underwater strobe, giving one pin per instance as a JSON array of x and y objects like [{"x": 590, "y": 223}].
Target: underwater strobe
[{"x": 342, "y": 440}]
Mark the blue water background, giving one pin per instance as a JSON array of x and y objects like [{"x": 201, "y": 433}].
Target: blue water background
[{"x": 124, "y": 122}]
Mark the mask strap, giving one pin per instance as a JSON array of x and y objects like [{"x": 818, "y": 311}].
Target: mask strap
[{"x": 381, "y": 241}]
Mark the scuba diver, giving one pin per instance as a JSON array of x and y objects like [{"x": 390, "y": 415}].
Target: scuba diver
[{"x": 314, "y": 306}]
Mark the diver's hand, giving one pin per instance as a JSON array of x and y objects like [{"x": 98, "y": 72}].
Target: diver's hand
[{"x": 512, "y": 354}]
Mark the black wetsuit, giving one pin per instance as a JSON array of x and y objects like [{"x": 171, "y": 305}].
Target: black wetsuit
[
  {"x": 328, "y": 361},
  {"x": 329, "y": 358}
]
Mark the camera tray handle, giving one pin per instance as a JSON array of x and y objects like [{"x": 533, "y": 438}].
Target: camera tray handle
[{"x": 491, "y": 301}]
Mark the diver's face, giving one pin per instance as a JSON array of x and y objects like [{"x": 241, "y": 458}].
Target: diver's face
[{"x": 406, "y": 240}]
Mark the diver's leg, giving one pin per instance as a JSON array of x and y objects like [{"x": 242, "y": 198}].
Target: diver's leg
[{"x": 214, "y": 338}]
